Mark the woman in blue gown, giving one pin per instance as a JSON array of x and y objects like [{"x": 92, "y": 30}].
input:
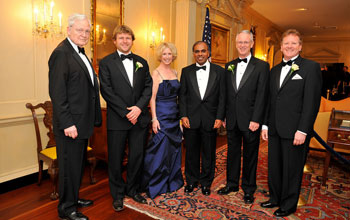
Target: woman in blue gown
[{"x": 162, "y": 161}]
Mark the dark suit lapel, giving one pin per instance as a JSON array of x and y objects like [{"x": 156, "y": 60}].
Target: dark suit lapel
[
  {"x": 286, "y": 79},
  {"x": 211, "y": 81},
  {"x": 290, "y": 75},
  {"x": 79, "y": 60},
  {"x": 121, "y": 67},
  {"x": 248, "y": 71},
  {"x": 134, "y": 70},
  {"x": 233, "y": 75},
  {"x": 193, "y": 79},
  {"x": 94, "y": 74},
  {"x": 278, "y": 75}
]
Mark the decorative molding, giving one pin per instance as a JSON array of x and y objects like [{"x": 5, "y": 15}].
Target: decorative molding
[
  {"x": 202, "y": 1},
  {"x": 225, "y": 9},
  {"x": 323, "y": 53},
  {"x": 19, "y": 173},
  {"x": 243, "y": 3},
  {"x": 325, "y": 39},
  {"x": 18, "y": 119}
]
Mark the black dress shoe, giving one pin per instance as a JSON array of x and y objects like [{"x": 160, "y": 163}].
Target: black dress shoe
[
  {"x": 118, "y": 205},
  {"x": 140, "y": 199},
  {"x": 206, "y": 190},
  {"x": 75, "y": 215},
  {"x": 283, "y": 213},
  {"x": 248, "y": 198},
  {"x": 190, "y": 188},
  {"x": 84, "y": 202},
  {"x": 227, "y": 189},
  {"x": 268, "y": 204}
]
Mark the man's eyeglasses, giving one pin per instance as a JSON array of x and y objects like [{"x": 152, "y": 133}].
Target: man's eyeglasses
[{"x": 81, "y": 31}]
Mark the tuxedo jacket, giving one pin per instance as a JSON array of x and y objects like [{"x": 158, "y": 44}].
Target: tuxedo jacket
[
  {"x": 119, "y": 94},
  {"x": 202, "y": 112},
  {"x": 248, "y": 102},
  {"x": 294, "y": 105},
  {"x": 75, "y": 99}
]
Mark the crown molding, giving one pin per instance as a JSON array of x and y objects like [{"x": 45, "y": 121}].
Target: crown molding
[{"x": 325, "y": 39}]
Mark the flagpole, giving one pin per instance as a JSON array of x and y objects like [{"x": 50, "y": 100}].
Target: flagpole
[{"x": 206, "y": 37}]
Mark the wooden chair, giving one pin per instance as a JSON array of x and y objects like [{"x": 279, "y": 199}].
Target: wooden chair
[{"x": 48, "y": 154}]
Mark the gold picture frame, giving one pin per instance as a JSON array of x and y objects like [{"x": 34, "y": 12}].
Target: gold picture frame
[
  {"x": 220, "y": 44},
  {"x": 106, "y": 15}
]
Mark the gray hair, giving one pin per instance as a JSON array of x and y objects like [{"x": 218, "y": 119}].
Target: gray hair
[
  {"x": 246, "y": 32},
  {"x": 72, "y": 18}
]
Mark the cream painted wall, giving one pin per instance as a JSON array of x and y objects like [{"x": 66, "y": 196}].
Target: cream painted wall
[
  {"x": 23, "y": 78},
  {"x": 265, "y": 31},
  {"x": 141, "y": 16}
]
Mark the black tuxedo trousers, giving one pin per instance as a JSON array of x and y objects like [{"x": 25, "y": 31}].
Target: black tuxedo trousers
[
  {"x": 250, "y": 158},
  {"x": 200, "y": 144},
  {"x": 285, "y": 170}
]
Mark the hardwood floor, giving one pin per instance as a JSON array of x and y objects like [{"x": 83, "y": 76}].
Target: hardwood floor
[{"x": 33, "y": 202}]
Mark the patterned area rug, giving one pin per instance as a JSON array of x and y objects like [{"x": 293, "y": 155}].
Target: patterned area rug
[{"x": 322, "y": 203}]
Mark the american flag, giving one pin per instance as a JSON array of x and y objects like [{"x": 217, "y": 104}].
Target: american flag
[{"x": 207, "y": 31}]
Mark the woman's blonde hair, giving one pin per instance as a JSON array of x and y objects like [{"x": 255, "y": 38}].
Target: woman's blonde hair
[{"x": 163, "y": 46}]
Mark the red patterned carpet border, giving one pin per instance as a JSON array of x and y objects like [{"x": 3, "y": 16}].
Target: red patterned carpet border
[{"x": 333, "y": 203}]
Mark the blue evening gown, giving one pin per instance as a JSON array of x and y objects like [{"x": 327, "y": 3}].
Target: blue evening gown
[{"x": 162, "y": 161}]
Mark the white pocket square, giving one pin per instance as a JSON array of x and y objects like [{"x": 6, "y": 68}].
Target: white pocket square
[{"x": 296, "y": 77}]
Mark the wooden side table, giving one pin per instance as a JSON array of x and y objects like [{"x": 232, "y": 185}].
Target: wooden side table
[{"x": 339, "y": 135}]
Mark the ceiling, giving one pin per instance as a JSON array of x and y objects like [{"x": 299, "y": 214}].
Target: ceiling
[{"x": 323, "y": 18}]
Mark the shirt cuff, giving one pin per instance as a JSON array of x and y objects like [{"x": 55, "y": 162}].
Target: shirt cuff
[
  {"x": 302, "y": 132},
  {"x": 264, "y": 127}
]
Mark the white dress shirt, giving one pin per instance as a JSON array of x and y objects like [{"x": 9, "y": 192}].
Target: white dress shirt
[
  {"x": 241, "y": 67},
  {"x": 129, "y": 67},
  {"x": 285, "y": 70},
  {"x": 202, "y": 78},
  {"x": 85, "y": 60}
]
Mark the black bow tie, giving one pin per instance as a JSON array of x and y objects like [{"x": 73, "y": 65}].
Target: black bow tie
[
  {"x": 123, "y": 57},
  {"x": 81, "y": 50},
  {"x": 244, "y": 60},
  {"x": 289, "y": 63},
  {"x": 201, "y": 67}
]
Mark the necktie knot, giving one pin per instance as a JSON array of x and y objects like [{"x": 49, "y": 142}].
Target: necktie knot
[
  {"x": 123, "y": 56},
  {"x": 81, "y": 50},
  {"x": 201, "y": 67},
  {"x": 242, "y": 60},
  {"x": 289, "y": 63}
]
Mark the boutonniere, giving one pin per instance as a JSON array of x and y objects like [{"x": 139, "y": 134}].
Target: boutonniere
[
  {"x": 295, "y": 67},
  {"x": 231, "y": 67},
  {"x": 138, "y": 66}
]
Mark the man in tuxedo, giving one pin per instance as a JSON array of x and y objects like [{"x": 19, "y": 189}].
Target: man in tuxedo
[
  {"x": 74, "y": 93},
  {"x": 294, "y": 100},
  {"x": 202, "y": 109},
  {"x": 126, "y": 85},
  {"x": 246, "y": 86}
]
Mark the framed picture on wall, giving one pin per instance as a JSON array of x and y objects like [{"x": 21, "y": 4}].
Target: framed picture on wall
[{"x": 220, "y": 44}]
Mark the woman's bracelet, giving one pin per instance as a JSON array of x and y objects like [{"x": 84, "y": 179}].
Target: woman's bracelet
[{"x": 154, "y": 119}]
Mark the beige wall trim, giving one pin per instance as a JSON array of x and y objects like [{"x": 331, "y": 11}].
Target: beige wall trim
[
  {"x": 18, "y": 173},
  {"x": 5, "y": 121}
]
